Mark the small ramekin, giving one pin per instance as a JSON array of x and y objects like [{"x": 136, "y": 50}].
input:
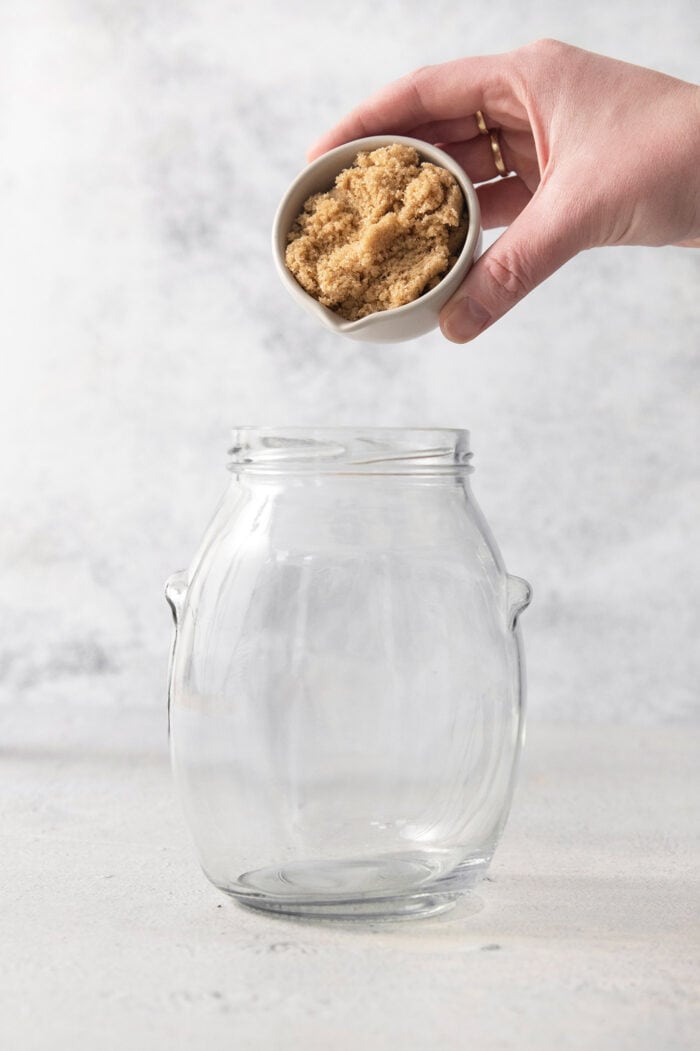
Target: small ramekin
[{"x": 386, "y": 326}]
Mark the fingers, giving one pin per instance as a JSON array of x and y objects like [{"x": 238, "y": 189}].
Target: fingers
[
  {"x": 536, "y": 244},
  {"x": 430, "y": 94},
  {"x": 476, "y": 157},
  {"x": 459, "y": 129},
  {"x": 517, "y": 150},
  {"x": 502, "y": 202}
]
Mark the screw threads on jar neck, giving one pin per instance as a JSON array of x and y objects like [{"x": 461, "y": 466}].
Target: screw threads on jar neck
[{"x": 372, "y": 450}]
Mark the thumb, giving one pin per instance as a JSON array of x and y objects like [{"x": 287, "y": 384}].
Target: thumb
[{"x": 540, "y": 240}]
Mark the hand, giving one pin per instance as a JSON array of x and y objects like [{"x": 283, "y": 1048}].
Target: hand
[{"x": 603, "y": 153}]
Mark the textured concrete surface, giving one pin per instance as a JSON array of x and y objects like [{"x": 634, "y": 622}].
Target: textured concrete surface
[
  {"x": 144, "y": 147},
  {"x": 586, "y": 935}
]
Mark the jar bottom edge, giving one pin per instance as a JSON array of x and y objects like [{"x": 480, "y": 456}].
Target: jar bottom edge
[{"x": 330, "y": 890}]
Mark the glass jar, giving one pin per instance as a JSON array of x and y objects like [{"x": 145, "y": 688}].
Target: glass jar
[{"x": 346, "y": 683}]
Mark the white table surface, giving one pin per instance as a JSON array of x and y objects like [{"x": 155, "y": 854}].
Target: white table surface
[{"x": 110, "y": 937}]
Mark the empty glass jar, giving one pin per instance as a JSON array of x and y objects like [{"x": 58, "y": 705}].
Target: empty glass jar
[{"x": 346, "y": 686}]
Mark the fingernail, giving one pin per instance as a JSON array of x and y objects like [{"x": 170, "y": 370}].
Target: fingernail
[{"x": 464, "y": 319}]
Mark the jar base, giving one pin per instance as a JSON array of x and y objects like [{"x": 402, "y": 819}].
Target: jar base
[
  {"x": 370, "y": 889},
  {"x": 418, "y": 907}
]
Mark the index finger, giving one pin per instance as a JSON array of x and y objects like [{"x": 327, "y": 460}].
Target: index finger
[{"x": 432, "y": 93}]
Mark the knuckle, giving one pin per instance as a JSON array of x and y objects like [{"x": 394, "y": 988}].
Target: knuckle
[
  {"x": 547, "y": 47},
  {"x": 420, "y": 75},
  {"x": 509, "y": 276},
  {"x": 417, "y": 84},
  {"x": 543, "y": 53},
  {"x": 535, "y": 64}
]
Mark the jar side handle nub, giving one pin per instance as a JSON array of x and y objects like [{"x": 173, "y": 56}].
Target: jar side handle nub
[
  {"x": 175, "y": 591},
  {"x": 519, "y": 594}
]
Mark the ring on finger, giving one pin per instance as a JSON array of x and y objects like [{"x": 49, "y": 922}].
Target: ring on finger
[
  {"x": 481, "y": 123},
  {"x": 495, "y": 143},
  {"x": 497, "y": 155}
]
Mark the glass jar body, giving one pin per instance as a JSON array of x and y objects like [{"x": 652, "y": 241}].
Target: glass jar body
[{"x": 346, "y": 690}]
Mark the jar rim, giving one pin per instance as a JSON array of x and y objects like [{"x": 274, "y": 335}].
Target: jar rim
[{"x": 376, "y": 450}]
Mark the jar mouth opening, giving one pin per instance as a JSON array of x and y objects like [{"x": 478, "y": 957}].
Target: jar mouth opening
[{"x": 358, "y": 449}]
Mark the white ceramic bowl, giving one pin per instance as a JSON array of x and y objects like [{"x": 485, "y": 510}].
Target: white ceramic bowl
[{"x": 386, "y": 326}]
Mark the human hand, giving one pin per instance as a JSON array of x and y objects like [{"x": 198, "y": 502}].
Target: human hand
[{"x": 603, "y": 153}]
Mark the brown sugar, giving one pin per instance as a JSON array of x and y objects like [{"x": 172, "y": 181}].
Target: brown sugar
[{"x": 389, "y": 229}]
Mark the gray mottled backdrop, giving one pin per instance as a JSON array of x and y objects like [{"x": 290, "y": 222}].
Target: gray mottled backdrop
[{"x": 143, "y": 149}]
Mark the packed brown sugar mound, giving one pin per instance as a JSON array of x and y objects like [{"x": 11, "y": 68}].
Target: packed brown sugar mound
[{"x": 388, "y": 231}]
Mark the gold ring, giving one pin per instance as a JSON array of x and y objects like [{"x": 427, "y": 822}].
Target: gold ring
[
  {"x": 497, "y": 155},
  {"x": 481, "y": 123}
]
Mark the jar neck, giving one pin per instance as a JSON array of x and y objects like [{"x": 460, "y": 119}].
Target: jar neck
[{"x": 353, "y": 451}]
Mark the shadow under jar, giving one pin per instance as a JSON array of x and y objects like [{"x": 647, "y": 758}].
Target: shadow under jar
[{"x": 346, "y": 683}]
